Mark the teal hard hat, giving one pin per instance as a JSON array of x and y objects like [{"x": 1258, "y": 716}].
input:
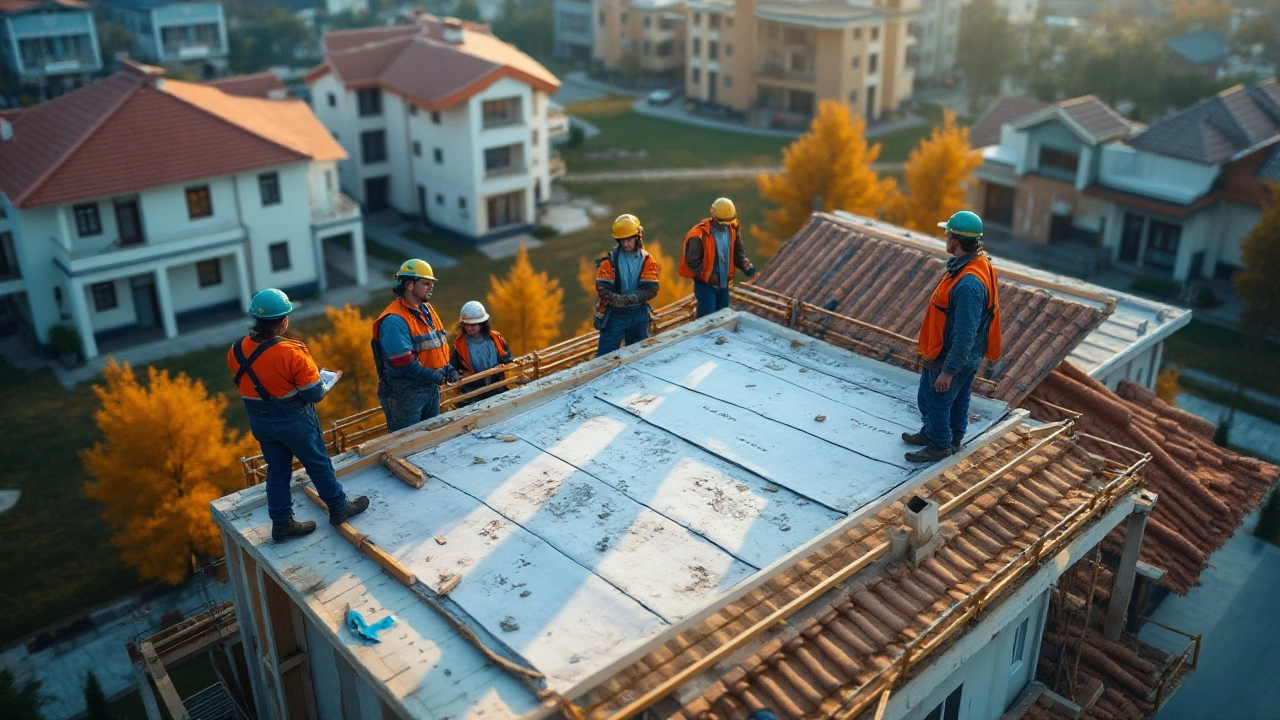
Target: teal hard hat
[
  {"x": 964, "y": 224},
  {"x": 270, "y": 304}
]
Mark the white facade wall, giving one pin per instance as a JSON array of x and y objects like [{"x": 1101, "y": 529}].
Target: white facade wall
[
  {"x": 453, "y": 182},
  {"x": 1157, "y": 176}
]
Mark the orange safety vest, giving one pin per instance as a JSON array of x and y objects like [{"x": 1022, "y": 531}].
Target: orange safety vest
[
  {"x": 430, "y": 341},
  {"x": 933, "y": 329},
  {"x": 702, "y": 233},
  {"x": 463, "y": 349},
  {"x": 277, "y": 367},
  {"x": 606, "y": 272}
]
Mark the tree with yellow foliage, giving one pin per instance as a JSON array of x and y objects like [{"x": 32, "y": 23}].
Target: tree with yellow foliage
[
  {"x": 166, "y": 453},
  {"x": 346, "y": 347},
  {"x": 937, "y": 174},
  {"x": 527, "y": 306},
  {"x": 828, "y": 168},
  {"x": 587, "y": 281},
  {"x": 1167, "y": 388}
]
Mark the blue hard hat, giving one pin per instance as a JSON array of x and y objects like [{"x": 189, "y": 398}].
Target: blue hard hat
[{"x": 270, "y": 304}]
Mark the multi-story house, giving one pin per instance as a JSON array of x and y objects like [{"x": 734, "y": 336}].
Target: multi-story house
[
  {"x": 141, "y": 203},
  {"x": 937, "y": 30},
  {"x": 48, "y": 46},
  {"x": 1019, "y": 12},
  {"x": 644, "y": 36},
  {"x": 441, "y": 121},
  {"x": 773, "y": 60},
  {"x": 1175, "y": 198},
  {"x": 192, "y": 33},
  {"x": 574, "y": 25}
]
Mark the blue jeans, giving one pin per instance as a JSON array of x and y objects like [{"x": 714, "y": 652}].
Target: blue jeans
[
  {"x": 629, "y": 325},
  {"x": 946, "y": 415},
  {"x": 710, "y": 298},
  {"x": 286, "y": 430},
  {"x": 407, "y": 406}
]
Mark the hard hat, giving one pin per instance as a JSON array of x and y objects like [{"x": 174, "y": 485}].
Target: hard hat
[
  {"x": 473, "y": 313},
  {"x": 626, "y": 226},
  {"x": 963, "y": 224},
  {"x": 270, "y": 304},
  {"x": 723, "y": 210},
  {"x": 417, "y": 269}
]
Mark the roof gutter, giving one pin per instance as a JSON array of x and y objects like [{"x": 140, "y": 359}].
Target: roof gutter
[{"x": 1255, "y": 147}]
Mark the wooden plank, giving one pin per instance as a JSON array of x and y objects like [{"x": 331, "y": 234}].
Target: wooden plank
[
  {"x": 407, "y": 472},
  {"x": 164, "y": 684}
]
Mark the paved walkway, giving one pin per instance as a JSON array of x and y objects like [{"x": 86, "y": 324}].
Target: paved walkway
[
  {"x": 387, "y": 228},
  {"x": 709, "y": 173},
  {"x": 675, "y": 112}
]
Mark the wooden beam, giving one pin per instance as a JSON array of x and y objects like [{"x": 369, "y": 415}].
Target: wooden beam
[
  {"x": 168, "y": 694},
  {"x": 368, "y": 547}
]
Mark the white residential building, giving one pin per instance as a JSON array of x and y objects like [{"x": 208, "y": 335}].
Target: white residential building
[
  {"x": 137, "y": 203},
  {"x": 50, "y": 46},
  {"x": 464, "y": 147},
  {"x": 189, "y": 32},
  {"x": 937, "y": 33}
]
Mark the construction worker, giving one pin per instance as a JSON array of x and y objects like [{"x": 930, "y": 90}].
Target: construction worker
[
  {"x": 961, "y": 326},
  {"x": 280, "y": 385},
  {"x": 411, "y": 350},
  {"x": 626, "y": 280},
  {"x": 478, "y": 347},
  {"x": 712, "y": 250}
]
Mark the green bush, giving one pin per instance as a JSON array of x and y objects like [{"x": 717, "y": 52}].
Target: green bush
[
  {"x": 577, "y": 136},
  {"x": 542, "y": 232},
  {"x": 65, "y": 339},
  {"x": 1157, "y": 286},
  {"x": 1206, "y": 298}
]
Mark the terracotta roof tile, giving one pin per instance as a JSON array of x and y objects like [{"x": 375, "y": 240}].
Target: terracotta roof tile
[
  {"x": 257, "y": 85},
  {"x": 1006, "y": 109},
  {"x": 1097, "y": 118},
  {"x": 838, "y": 644},
  {"x": 123, "y": 134},
  {"x": 864, "y": 273},
  {"x": 1205, "y": 490}
]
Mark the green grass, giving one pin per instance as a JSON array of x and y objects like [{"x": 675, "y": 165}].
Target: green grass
[
  {"x": 1225, "y": 353},
  {"x": 897, "y": 145},
  {"x": 188, "y": 678}
]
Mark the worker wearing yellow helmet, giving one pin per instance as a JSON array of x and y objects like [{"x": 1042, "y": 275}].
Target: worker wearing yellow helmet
[
  {"x": 712, "y": 250},
  {"x": 411, "y": 350},
  {"x": 626, "y": 280}
]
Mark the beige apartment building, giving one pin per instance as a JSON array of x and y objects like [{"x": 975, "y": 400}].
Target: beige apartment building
[
  {"x": 641, "y": 36},
  {"x": 773, "y": 60}
]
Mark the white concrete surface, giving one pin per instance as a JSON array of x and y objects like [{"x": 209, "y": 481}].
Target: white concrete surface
[{"x": 509, "y": 246}]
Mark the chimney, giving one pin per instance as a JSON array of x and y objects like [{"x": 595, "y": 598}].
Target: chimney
[
  {"x": 149, "y": 73},
  {"x": 277, "y": 93},
  {"x": 6, "y": 130},
  {"x": 920, "y": 516},
  {"x": 453, "y": 33}
]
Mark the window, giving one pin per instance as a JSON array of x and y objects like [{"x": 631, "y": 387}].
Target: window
[
  {"x": 1059, "y": 161},
  {"x": 198, "y": 203},
  {"x": 369, "y": 101},
  {"x": 799, "y": 63},
  {"x": 853, "y": 98},
  {"x": 728, "y": 22},
  {"x": 713, "y": 21},
  {"x": 728, "y": 81},
  {"x": 439, "y": 199},
  {"x": 857, "y": 33},
  {"x": 697, "y": 47},
  {"x": 413, "y": 109},
  {"x": 697, "y": 18},
  {"x": 601, "y": 19},
  {"x": 648, "y": 21},
  {"x": 104, "y": 296},
  {"x": 507, "y": 209},
  {"x": 695, "y": 76},
  {"x": 328, "y": 181},
  {"x": 87, "y": 220},
  {"x": 501, "y": 160},
  {"x": 269, "y": 188},
  {"x": 1162, "y": 245},
  {"x": 333, "y": 100},
  {"x": 875, "y": 33},
  {"x": 647, "y": 48},
  {"x": 622, "y": 18},
  {"x": 373, "y": 146},
  {"x": 501, "y": 112},
  {"x": 713, "y": 50},
  {"x": 948, "y": 709},
  {"x": 9, "y": 269},
  {"x": 209, "y": 272},
  {"x": 856, "y": 63},
  {"x": 873, "y": 64},
  {"x": 435, "y": 117},
  {"x": 795, "y": 36},
  {"x": 438, "y": 154},
  {"x": 279, "y": 256},
  {"x": 1019, "y": 646},
  {"x": 462, "y": 203},
  {"x": 728, "y": 50},
  {"x": 534, "y": 141},
  {"x": 417, "y": 149}
]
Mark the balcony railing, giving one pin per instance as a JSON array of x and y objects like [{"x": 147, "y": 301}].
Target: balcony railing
[
  {"x": 505, "y": 170},
  {"x": 557, "y": 124},
  {"x": 779, "y": 71},
  {"x": 556, "y": 168},
  {"x": 340, "y": 207},
  {"x": 78, "y": 261}
]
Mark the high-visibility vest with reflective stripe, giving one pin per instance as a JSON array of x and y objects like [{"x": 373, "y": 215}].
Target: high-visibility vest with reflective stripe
[
  {"x": 933, "y": 329},
  {"x": 426, "y": 332},
  {"x": 701, "y": 233},
  {"x": 463, "y": 348},
  {"x": 282, "y": 369}
]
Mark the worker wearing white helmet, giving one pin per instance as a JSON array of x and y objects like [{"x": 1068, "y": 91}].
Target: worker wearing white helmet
[
  {"x": 478, "y": 347},
  {"x": 712, "y": 250},
  {"x": 626, "y": 280}
]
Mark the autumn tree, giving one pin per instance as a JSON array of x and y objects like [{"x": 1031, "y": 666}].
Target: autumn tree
[
  {"x": 827, "y": 168},
  {"x": 166, "y": 453},
  {"x": 937, "y": 174},
  {"x": 527, "y": 306},
  {"x": 1167, "y": 388},
  {"x": 1192, "y": 15},
  {"x": 1256, "y": 285},
  {"x": 346, "y": 347}
]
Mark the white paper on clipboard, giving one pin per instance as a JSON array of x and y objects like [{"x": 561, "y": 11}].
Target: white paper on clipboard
[{"x": 329, "y": 378}]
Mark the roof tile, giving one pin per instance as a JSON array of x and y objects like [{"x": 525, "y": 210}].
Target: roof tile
[{"x": 1006, "y": 109}]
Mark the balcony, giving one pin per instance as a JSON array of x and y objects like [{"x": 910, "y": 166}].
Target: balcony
[
  {"x": 556, "y": 168},
  {"x": 500, "y": 171},
  {"x": 557, "y": 124},
  {"x": 84, "y": 261},
  {"x": 780, "y": 72},
  {"x": 340, "y": 209}
]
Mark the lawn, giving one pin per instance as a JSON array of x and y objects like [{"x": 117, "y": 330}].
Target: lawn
[{"x": 1224, "y": 353}]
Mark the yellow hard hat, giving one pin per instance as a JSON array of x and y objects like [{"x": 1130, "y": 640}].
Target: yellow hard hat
[
  {"x": 723, "y": 210},
  {"x": 417, "y": 269},
  {"x": 626, "y": 226}
]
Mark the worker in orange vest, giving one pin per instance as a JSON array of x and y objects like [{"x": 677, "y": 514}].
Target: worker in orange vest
[
  {"x": 411, "y": 350},
  {"x": 280, "y": 385},
  {"x": 961, "y": 327},
  {"x": 478, "y": 347},
  {"x": 626, "y": 280},
  {"x": 712, "y": 250}
]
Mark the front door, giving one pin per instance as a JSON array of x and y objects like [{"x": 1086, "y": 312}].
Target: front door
[
  {"x": 129, "y": 222},
  {"x": 375, "y": 193},
  {"x": 1131, "y": 238},
  {"x": 711, "y": 86},
  {"x": 422, "y": 205},
  {"x": 145, "y": 304}
]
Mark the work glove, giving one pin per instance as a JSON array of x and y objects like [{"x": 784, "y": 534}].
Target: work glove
[
  {"x": 436, "y": 376},
  {"x": 750, "y": 271},
  {"x": 452, "y": 375},
  {"x": 620, "y": 301}
]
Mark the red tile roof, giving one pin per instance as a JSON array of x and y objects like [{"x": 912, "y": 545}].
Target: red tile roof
[
  {"x": 393, "y": 58},
  {"x": 1205, "y": 490},
  {"x": 256, "y": 85},
  {"x": 863, "y": 272},
  {"x": 1090, "y": 115},
  {"x": 17, "y": 6},
  {"x": 836, "y": 645},
  {"x": 124, "y": 134},
  {"x": 1006, "y": 109}
]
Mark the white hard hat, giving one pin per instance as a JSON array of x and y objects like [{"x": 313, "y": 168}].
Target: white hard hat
[{"x": 473, "y": 313}]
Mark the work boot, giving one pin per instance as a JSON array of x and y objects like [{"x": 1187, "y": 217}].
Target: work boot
[
  {"x": 955, "y": 448},
  {"x": 928, "y": 454},
  {"x": 291, "y": 529},
  {"x": 350, "y": 510},
  {"x": 915, "y": 438}
]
